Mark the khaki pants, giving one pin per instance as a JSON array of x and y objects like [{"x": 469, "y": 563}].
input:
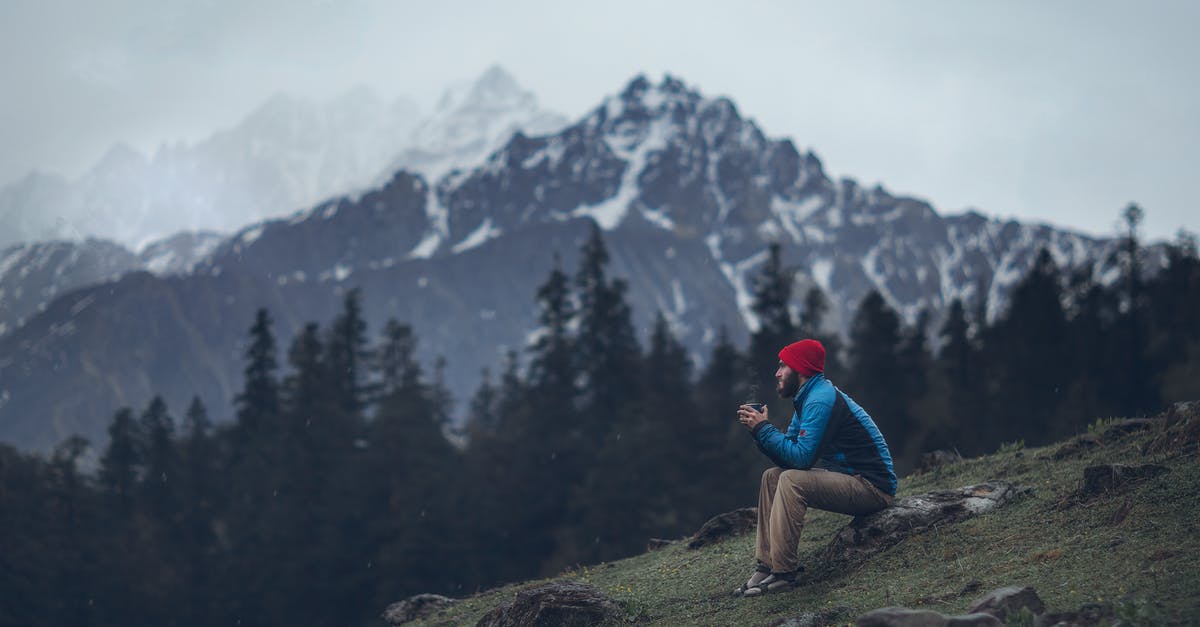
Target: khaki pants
[{"x": 785, "y": 496}]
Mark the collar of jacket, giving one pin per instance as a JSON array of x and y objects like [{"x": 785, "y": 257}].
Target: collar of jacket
[{"x": 798, "y": 402}]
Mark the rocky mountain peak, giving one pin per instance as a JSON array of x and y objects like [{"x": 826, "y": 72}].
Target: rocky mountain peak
[
  {"x": 277, "y": 112},
  {"x": 496, "y": 88},
  {"x": 121, "y": 157},
  {"x": 641, "y": 100},
  {"x": 472, "y": 121}
]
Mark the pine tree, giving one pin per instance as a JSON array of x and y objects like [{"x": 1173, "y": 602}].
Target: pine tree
[
  {"x": 159, "y": 497},
  {"x": 812, "y": 325},
  {"x": 200, "y": 477},
  {"x": 396, "y": 357},
  {"x": 609, "y": 360},
  {"x": 675, "y": 492},
  {"x": 876, "y": 377},
  {"x": 122, "y": 462},
  {"x": 257, "y": 473},
  {"x": 509, "y": 485},
  {"x": 928, "y": 392},
  {"x": 1175, "y": 311},
  {"x": 1139, "y": 395},
  {"x": 542, "y": 434},
  {"x": 735, "y": 463},
  {"x": 483, "y": 410},
  {"x": 161, "y": 461},
  {"x": 75, "y": 532},
  {"x": 1094, "y": 380},
  {"x": 772, "y": 289},
  {"x": 552, "y": 367},
  {"x": 411, "y": 536},
  {"x": 303, "y": 389},
  {"x": 258, "y": 403},
  {"x": 347, "y": 355},
  {"x": 916, "y": 363},
  {"x": 1030, "y": 348},
  {"x": 956, "y": 385},
  {"x": 128, "y": 551},
  {"x": 607, "y": 349}
]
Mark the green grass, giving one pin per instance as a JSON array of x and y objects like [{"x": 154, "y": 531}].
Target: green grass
[{"x": 1135, "y": 550}]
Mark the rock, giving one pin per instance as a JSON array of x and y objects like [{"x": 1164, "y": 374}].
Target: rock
[
  {"x": 1130, "y": 425},
  {"x": 553, "y": 605},
  {"x": 974, "y": 620},
  {"x": 971, "y": 587},
  {"x": 1089, "y": 615},
  {"x": 654, "y": 544},
  {"x": 934, "y": 459},
  {"x": 904, "y": 617},
  {"x": 1107, "y": 477},
  {"x": 819, "y": 618},
  {"x": 1000, "y": 603},
  {"x": 416, "y": 607},
  {"x": 901, "y": 617},
  {"x": 1181, "y": 430},
  {"x": 1078, "y": 445},
  {"x": 867, "y": 535},
  {"x": 724, "y": 526}
]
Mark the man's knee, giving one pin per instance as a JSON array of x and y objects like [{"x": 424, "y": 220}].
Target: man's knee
[
  {"x": 799, "y": 480},
  {"x": 771, "y": 475},
  {"x": 794, "y": 486}
]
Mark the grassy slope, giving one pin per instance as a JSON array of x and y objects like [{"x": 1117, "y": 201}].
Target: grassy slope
[{"x": 1144, "y": 562}]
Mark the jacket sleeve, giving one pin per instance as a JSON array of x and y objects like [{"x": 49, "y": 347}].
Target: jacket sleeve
[{"x": 799, "y": 447}]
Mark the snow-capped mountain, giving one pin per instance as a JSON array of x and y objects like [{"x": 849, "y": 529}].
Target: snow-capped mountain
[
  {"x": 471, "y": 121},
  {"x": 288, "y": 154},
  {"x": 162, "y": 214},
  {"x": 665, "y": 157},
  {"x": 688, "y": 192},
  {"x": 32, "y": 275}
]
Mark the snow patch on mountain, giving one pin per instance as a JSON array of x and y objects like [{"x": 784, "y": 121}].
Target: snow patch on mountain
[
  {"x": 822, "y": 273},
  {"x": 438, "y": 219},
  {"x": 251, "y": 235},
  {"x": 658, "y": 218},
  {"x": 484, "y": 232},
  {"x": 10, "y": 258},
  {"x": 634, "y": 148},
  {"x": 678, "y": 298}
]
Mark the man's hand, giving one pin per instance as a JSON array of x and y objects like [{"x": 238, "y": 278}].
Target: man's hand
[{"x": 751, "y": 418}]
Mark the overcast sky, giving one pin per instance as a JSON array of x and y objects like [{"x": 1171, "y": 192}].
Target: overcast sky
[{"x": 1056, "y": 111}]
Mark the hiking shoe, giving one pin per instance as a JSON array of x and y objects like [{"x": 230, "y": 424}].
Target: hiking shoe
[
  {"x": 761, "y": 572},
  {"x": 773, "y": 582}
]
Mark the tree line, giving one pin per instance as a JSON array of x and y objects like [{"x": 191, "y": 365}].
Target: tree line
[{"x": 341, "y": 485}]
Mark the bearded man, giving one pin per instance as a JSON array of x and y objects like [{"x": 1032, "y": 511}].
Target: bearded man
[{"x": 832, "y": 457}]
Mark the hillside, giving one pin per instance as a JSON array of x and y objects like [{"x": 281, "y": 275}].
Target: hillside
[{"x": 1131, "y": 551}]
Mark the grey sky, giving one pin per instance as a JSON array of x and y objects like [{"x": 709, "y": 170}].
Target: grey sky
[{"x": 1056, "y": 111}]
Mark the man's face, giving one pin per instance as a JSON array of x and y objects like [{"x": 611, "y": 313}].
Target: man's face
[{"x": 787, "y": 381}]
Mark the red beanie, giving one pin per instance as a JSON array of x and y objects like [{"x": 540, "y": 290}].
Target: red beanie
[{"x": 806, "y": 357}]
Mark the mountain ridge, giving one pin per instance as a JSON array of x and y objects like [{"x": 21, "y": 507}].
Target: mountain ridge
[
  {"x": 285, "y": 154},
  {"x": 689, "y": 194}
]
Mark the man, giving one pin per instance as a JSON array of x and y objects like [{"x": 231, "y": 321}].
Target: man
[{"x": 828, "y": 429}]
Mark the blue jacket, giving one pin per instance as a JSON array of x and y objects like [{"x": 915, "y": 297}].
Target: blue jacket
[{"x": 829, "y": 430}]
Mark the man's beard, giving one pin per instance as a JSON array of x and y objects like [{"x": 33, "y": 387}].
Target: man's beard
[{"x": 790, "y": 386}]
